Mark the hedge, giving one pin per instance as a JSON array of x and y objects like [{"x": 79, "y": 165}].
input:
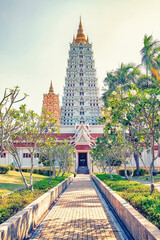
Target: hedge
[
  {"x": 137, "y": 194},
  {"x": 16, "y": 201},
  {"x": 4, "y": 169},
  {"x": 142, "y": 172},
  {"x": 41, "y": 171}
]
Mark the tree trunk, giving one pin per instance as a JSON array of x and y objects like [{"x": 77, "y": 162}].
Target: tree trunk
[
  {"x": 125, "y": 170},
  {"x": 132, "y": 171},
  {"x": 151, "y": 178},
  {"x": 31, "y": 173},
  {"x": 16, "y": 157},
  {"x": 146, "y": 167},
  {"x": 110, "y": 172},
  {"x": 151, "y": 167},
  {"x": 23, "y": 177},
  {"x": 58, "y": 173},
  {"x": 51, "y": 178},
  {"x": 54, "y": 171},
  {"x": 63, "y": 173},
  {"x": 136, "y": 158}
]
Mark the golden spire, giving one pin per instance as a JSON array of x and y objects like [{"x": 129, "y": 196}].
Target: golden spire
[
  {"x": 73, "y": 39},
  {"x": 51, "y": 88},
  {"x": 80, "y": 23},
  {"x": 80, "y": 35},
  {"x": 87, "y": 39}
]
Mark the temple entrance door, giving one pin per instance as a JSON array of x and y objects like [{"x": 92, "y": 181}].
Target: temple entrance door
[{"x": 82, "y": 159}]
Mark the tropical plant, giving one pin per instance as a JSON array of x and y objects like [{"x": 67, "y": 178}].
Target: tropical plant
[
  {"x": 137, "y": 110},
  {"x": 31, "y": 132},
  {"x": 121, "y": 79},
  {"x": 151, "y": 62},
  {"x": 105, "y": 155},
  {"x": 58, "y": 153},
  {"x": 10, "y": 98}
]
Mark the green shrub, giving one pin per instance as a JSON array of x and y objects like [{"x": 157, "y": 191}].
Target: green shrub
[
  {"x": 16, "y": 201},
  {"x": 74, "y": 174},
  {"x": 41, "y": 171},
  {"x": 25, "y": 170},
  {"x": 106, "y": 177},
  {"x": 4, "y": 169},
  {"x": 12, "y": 167},
  {"x": 121, "y": 172},
  {"x": 137, "y": 194},
  {"x": 142, "y": 172}
]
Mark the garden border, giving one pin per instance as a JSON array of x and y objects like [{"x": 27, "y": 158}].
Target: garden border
[
  {"x": 141, "y": 228},
  {"x": 23, "y": 222}
]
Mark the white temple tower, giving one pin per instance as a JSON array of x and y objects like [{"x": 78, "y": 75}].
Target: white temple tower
[{"x": 81, "y": 103}]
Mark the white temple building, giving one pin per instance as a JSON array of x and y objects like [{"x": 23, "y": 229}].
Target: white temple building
[
  {"x": 80, "y": 108},
  {"x": 81, "y": 103}
]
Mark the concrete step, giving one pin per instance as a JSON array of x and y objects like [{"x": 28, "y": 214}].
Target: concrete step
[{"x": 82, "y": 170}]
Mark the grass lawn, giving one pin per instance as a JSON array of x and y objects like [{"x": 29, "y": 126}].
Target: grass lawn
[
  {"x": 13, "y": 180},
  {"x": 147, "y": 178},
  {"x": 16, "y": 201}
]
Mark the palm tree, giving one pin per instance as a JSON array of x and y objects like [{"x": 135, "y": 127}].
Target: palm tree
[
  {"x": 149, "y": 53},
  {"x": 122, "y": 78},
  {"x": 127, "y": 75},
  {"x": 151, "y": 60}
]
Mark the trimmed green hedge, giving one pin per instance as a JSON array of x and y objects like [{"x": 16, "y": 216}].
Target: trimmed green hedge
[
  {"x": 142, "y": 172},
  {"x": 15, "y": 202},
  {"x": 4, "y": 169},
  {"x": 41, "y": 171},
  {"x": 12, "y": 167},
  {"x": 137, "y": 194}
]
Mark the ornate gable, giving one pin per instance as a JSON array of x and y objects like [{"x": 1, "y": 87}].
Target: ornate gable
[{"x": 82, "y": 135}]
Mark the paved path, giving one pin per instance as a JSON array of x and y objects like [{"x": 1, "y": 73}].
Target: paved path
[{"x": 79, "y": 214}]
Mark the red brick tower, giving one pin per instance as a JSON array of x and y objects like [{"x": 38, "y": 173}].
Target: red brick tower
[{"x": 51, "y": 104}]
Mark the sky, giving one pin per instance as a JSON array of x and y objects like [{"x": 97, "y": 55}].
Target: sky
[{"x": 35, "y": 37}]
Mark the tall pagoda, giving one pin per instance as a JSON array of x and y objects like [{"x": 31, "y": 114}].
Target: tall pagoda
[
  {"x": 51, "y": 104},
  {"x": 80, "y": 102}
]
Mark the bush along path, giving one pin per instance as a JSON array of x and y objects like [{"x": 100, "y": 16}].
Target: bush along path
[
  {"x": 137, "y": 194},
  {"x": 147, "y": 183},
  {"x": 12, "y": 181},
  {"x": 17, "y": 201}
]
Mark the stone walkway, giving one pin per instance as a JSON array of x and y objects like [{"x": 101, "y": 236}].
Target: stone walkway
[{"x": 79, "y": 214}]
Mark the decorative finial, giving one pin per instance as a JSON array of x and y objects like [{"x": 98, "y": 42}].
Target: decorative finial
[
  {"x": 73, "y": 39},
  {"x": 87, "y": 39},
  {"x": 80, "y": 35},
  {"x": 51, "y": 88},
  {"x": 80, "y": 23}
]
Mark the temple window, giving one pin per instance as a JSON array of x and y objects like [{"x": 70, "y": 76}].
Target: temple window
[
  {"x": 81, "y": 103},
  {"x": 26, "y": 155},
  {"x": 81, "y": 113},
  {"x": 3, "y": 155}
]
